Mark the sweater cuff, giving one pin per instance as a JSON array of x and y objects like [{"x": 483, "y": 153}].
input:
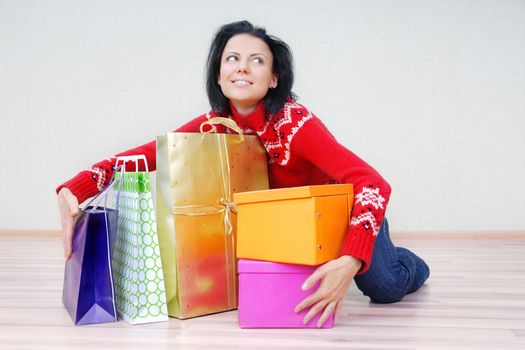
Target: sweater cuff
[
  {"x": 360, "y": 245},
  {"x": 83, "y": 186}
]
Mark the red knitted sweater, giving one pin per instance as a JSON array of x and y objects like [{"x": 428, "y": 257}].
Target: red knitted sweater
[{"x": 301, "y": 151}]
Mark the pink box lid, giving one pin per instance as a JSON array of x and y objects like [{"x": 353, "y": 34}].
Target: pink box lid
[{"x": 259, "y": 266}]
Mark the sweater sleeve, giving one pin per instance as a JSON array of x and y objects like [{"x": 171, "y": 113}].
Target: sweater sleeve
[
  {"x": 91, "y": 181},
  {"x": 316, "y": 144}
]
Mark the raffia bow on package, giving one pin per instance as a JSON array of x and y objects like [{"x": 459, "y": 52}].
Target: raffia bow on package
[{"x": 197, "y": 174}]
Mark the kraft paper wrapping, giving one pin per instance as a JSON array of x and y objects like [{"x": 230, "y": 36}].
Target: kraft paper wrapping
[{"x": 197, "y": 175}]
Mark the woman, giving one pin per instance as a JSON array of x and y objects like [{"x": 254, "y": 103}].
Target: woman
[{"x": 249, "y": 79}]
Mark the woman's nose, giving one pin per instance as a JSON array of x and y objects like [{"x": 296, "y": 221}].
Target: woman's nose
[{"x": 243, "y": 67}]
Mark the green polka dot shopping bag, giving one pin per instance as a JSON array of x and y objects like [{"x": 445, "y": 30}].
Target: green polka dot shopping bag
[{"x": 137, "y": 268}]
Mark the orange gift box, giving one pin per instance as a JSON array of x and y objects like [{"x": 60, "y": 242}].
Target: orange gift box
[{"x": 298, "y": 225}]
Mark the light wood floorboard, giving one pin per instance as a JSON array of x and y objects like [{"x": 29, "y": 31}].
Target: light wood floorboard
[{"x": 475, "y": 299}]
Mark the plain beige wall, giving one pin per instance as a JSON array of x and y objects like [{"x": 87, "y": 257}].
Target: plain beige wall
[{"x": 431, "y": 93}]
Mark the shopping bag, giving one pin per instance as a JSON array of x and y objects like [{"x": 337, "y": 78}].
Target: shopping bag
[
  {"x": 197, "y": 174},
  {"x": 88, "y": 292},
  {"x": 139, "y": 280}
]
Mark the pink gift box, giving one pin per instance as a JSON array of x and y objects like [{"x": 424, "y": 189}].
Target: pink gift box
[{"x": 269, "y": 292}]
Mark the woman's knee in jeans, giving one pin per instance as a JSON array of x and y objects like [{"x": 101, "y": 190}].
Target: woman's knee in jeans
[
  {"x": 381, "y": 291},
  {"x": 391, "y": 288},
  {"x": 417, "y": 267},
  {"x": 385, "y": 293}
]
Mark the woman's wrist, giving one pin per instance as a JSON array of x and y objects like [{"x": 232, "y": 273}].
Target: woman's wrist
[
  {"x": 354, "y": 262},
  {"x": 64, "y": 190}
]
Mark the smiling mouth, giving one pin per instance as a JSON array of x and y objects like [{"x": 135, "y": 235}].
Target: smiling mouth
[{"x": 241, "y": 82}]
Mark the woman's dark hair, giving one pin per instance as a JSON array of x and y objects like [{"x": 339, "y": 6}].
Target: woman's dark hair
[{"x": 282, "y": 67}]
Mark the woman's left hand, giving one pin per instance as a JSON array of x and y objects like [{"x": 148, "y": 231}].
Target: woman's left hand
[{"x": 336, "y": 276}]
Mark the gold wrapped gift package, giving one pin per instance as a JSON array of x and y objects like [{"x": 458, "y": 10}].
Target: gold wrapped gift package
[
  {"x": 197, "y": 174},
  {"x": 300, "y": 225}
]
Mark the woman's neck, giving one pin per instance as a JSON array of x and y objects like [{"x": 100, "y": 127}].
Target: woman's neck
[{"x": 244, "y": 109}]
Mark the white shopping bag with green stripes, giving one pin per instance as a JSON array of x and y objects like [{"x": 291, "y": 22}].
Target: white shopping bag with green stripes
[{"x": 138, "y": 275}]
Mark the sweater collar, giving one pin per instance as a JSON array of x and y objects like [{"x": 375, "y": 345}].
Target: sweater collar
[{"x": 255, "y": 120}]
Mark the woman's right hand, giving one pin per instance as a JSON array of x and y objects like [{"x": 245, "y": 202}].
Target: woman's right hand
[{"x": 68, "y": 207}]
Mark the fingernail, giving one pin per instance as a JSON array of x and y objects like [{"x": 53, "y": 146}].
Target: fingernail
[{"x": 304, "y": 286}]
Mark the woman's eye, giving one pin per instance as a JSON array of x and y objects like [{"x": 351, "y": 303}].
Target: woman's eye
[
  {"x": 258, "y": 60},
  {"x": 231, "y": 58}
]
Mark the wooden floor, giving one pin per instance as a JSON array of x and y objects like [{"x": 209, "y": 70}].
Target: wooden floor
[{"x": 475, "y": 299}]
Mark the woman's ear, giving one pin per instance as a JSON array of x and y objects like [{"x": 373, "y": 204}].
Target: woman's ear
[{"x": 274, "y": 81}]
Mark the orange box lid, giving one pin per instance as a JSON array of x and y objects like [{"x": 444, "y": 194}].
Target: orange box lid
[{"x": 292, "y": 193}]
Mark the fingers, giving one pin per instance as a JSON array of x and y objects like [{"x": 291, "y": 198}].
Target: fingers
[
  {"x": 317, "y": 275},
  {"x": 335, "y": 277},
  {"x": 314, "y": 310},
  {"x": 313, "y": 278},
  {"x": 66, "y": 223},
  {"x": 73, "y": 205},
  {"x": 72, "y": 202},
  {"x": 68, "y": 206},
  {"x": 338, "y": 309},
  {"x": 68, "y": 240},
  {"x": 309, "y": 300},
  {"x": 67, "y": 233},
  {"x": 328, "y": 310}
]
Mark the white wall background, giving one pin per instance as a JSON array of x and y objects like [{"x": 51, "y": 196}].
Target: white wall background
[{"x": 431, "y": 93}]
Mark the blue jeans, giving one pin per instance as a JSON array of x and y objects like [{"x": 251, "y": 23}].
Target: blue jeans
[{"x": 393, "y": 273}]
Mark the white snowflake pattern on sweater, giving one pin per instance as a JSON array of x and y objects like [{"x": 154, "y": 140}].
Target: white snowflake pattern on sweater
[
  {"x": 286, "y": 128},
  {"x": 99, "y": 174},
  {"x": 368, "y": 221},
  {"x": 370, "y": 196}
]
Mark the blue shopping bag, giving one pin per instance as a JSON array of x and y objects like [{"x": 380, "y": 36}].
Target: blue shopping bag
[{"x": 88, "y": 293}]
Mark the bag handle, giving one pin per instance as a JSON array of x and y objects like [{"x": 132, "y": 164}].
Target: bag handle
[
  {"x": 124, "y": 160},
  {"x": 227, "y": 122}
]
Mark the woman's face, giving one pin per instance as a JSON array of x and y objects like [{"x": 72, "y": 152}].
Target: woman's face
[{"x": 246, "y": 71}]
